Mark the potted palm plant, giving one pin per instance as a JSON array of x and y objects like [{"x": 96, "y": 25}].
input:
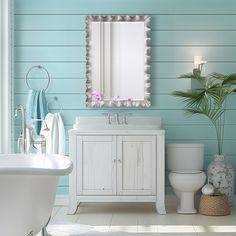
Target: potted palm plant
[{"x": 210, "y": 99}]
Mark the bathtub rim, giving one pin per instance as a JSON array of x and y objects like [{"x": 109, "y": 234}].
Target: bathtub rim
[{"x": 63, "y": 166}]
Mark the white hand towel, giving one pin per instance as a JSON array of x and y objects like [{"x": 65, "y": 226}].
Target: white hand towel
[
  {"x": 50, "y": 134},
  {"x": 61, "y": 135},
  {"x": 55, "y": 136}
]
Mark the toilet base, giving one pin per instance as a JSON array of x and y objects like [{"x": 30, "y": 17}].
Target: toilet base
[
  {"x": 180, "y": 211},
  {"x": 186, "y": 205}
]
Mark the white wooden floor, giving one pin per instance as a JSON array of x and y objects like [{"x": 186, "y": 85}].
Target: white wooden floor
[{"x": 141, "y": 220}]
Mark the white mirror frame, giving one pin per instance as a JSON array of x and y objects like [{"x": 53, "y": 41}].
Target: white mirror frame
[{"x": 146, "y": 102}]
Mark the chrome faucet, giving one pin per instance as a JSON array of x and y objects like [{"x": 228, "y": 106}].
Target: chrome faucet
[
  {"x": 22, "y": 139},
  {"x": 118, "y": 119},
  {"x": 125, "y": 118},
  {"x": 108, "y": 117}
]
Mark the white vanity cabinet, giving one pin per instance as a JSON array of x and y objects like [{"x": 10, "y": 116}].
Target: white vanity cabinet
[
  {"x": 117, "y": 166},
  {"x": 136, "y": 166},
  {"x": 96, "y": 157}
]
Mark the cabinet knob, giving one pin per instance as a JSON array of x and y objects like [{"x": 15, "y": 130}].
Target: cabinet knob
[
  {"x": 119, "y": 160},
  {"x": 103, "y": 188},
  {"x": 114, "y": 160}
]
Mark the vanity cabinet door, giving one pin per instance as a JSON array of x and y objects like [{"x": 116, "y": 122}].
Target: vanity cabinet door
[
  {"x": 96, "y": 165},
  {"x": 136, "y": 165}
]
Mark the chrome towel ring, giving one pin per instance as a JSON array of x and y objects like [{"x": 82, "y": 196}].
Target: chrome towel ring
[{"x": 37, "y": 67}]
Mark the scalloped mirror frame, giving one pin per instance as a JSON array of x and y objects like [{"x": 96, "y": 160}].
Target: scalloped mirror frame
[{"x": 146, "y": 102}]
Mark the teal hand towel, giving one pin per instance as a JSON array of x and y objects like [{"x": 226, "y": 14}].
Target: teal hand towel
[
  {"x": 29, "y": 105},
  {"x": 36, "y": 108}
]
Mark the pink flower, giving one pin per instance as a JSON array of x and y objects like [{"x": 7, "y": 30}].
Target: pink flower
[
  {"x": 97, "y": 95},
  {"x": 116, "y": 98}
]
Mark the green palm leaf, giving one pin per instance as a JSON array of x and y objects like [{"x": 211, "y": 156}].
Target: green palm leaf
[
  {"x": 210, "y": 100},
  {"x": 231, "y": 78},
  {"x": 192, "y": 98},
  {"x": 195, "y": 75}
]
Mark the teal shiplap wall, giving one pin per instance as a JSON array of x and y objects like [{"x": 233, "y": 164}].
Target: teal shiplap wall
[{"x": 52, "y": 33}]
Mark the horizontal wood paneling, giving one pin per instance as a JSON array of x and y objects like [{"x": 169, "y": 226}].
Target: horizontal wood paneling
[
  {"x": 56, "y": 70},
  {"x": 160, "y": 38},
  {"x": 182, "y": 132},
  {"x": 125, "y": 7},
  {"x": 169, "y": 117},
  {"x": 63, "y": 86},
  {"x": 77, "y": 101},
  {"x": 158, "y": 22},
  {"x": 50, "y": 38},
  {"x": 221, "y": 54},
  {"x": 49, "y": 22},
  {"x": 77, "y": 69},
  {"x": 210, "y": 147},
  {"x": 159, "y": 54},
  {"x": 195, "y": 132},
  {"x": 170, "y": 54},
  {"x": 52, "y": 33},
  {"x": 55, "y": 54}
]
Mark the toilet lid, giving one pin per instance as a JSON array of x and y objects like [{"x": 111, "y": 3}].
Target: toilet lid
[{"x": 187, "y": 172}]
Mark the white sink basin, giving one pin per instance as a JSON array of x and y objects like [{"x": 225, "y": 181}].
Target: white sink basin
[{"x": 133, "y": 123}]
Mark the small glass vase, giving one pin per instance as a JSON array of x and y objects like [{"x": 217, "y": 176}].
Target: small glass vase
[{"x": 221, "y": 175}]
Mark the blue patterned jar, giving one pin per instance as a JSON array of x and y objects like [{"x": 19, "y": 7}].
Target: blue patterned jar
[{"x": 221, "y": 175}]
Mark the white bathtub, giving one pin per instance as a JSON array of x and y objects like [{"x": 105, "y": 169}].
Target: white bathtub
[{"x": 27, "y": 191}]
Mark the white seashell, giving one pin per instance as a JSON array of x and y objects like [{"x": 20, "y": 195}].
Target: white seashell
[{"x": 208, "y": 189}]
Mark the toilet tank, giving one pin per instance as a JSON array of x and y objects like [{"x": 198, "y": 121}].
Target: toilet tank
[{"x": 185, "y": 156}]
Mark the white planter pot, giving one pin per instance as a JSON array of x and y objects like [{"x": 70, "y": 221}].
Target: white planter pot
[{"x": 221, "y": 175}]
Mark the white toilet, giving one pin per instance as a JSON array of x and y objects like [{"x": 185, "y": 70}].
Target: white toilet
[{"x": 185, "y": 163}]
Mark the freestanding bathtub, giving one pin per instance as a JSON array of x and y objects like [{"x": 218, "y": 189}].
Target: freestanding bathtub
[{"x": 27, "y": 191}]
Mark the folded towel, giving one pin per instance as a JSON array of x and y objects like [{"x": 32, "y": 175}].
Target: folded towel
[
  {"x": 36, "y": 108},
  {"x": 55, "y": 136}
]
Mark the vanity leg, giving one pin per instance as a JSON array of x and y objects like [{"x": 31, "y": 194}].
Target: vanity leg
[
  {"x": 160, "y": 207},
  {"x": 160, "y": 198}
]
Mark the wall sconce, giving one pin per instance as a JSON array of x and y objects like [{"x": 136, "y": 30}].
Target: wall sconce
[{"x": 198, "y": 62}]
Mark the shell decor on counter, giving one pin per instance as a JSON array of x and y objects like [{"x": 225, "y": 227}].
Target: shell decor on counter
[
  {"x": 221, "y": 175},
  {"x": 208, "y": 189}
]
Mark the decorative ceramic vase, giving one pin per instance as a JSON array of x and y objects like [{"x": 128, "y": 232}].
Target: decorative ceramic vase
[{"x": 221, "y": 175}]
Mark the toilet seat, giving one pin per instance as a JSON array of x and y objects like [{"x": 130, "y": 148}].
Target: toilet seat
[{"x": 184, "y": 172}]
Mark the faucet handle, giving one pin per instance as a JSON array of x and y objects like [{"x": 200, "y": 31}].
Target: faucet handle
[
  {"x": 108, "y": 117},
  {"x": 125, "y": 118},
  {"x": 117, "y": 116}
]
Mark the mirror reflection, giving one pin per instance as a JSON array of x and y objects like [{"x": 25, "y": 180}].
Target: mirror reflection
[{"x": 118, "y": 61}]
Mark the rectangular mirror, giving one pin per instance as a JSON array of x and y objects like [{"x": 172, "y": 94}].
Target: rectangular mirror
[{"x": 118, "y": 61}]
